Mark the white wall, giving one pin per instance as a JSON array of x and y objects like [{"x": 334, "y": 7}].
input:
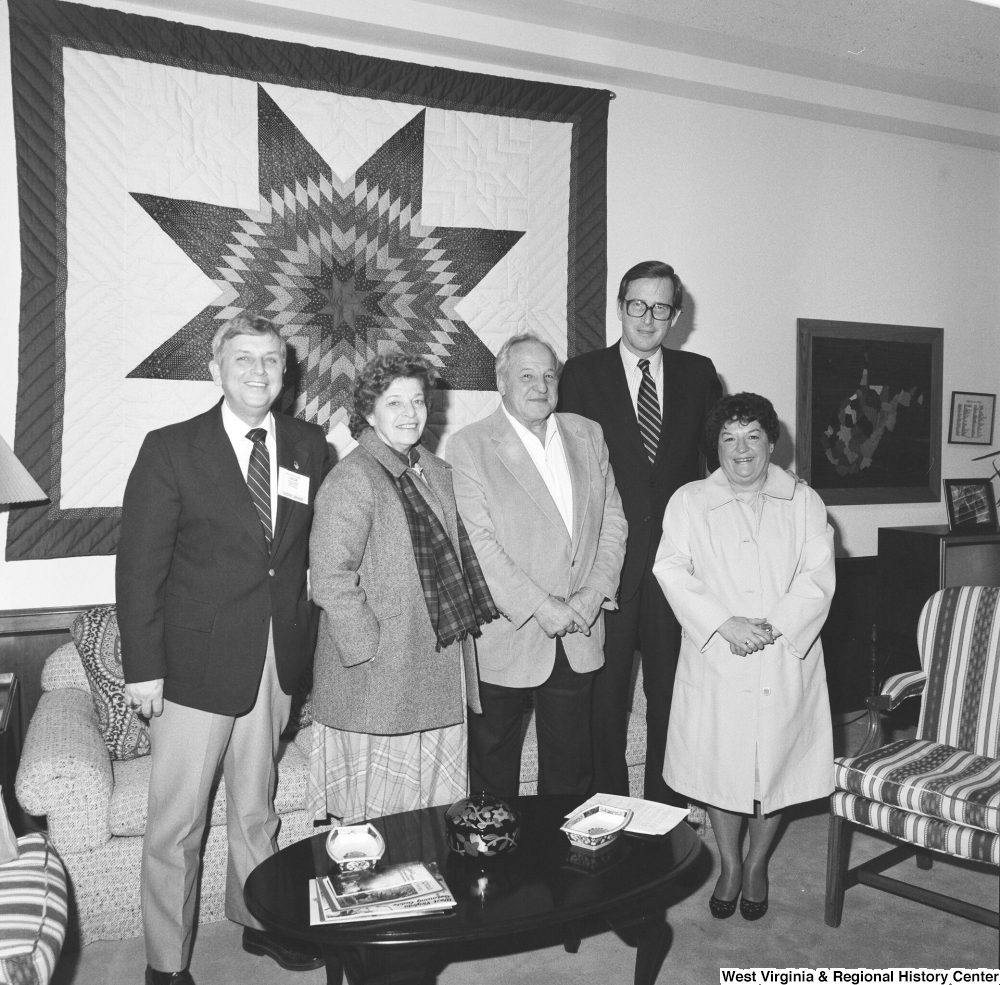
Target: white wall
[
  {"x": 770, "y": 218},
  {"x": 767, "y": 218}
]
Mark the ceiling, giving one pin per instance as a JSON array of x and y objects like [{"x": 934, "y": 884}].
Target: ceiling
[{"x": 945, "y": 50}]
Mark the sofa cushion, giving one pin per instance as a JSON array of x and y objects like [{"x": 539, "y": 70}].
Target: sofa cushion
[
  {"x": 127, "y": 807},
  {"x": 927, "y": 778},
  {"x": 95, "y": 633}
]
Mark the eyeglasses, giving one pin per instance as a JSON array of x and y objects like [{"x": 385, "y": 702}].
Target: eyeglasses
[{"x": 637, "y": 308}]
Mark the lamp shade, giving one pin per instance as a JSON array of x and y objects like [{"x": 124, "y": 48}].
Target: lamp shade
[{"x": 16, "y": 484}]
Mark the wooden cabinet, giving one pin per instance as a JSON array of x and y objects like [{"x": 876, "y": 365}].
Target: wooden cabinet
[{"x": 913, "y": 563}]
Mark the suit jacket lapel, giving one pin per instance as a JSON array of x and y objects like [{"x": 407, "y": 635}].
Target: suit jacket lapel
[
  {"x": 578, "y": 460},
  {"x": 672, "y": 400},
  {"x": 511, "y": 451},
  {"x": 295, "y": 458},
  {"x": 439, "y": 480},
  {"x": 286, "y": 460},
  {"x": 218, "y": 461}
]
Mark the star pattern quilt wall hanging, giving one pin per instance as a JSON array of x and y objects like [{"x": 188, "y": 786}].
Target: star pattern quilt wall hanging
[
  {"x": 346, "y": 269},
  {"x": 364, "y": 205}
]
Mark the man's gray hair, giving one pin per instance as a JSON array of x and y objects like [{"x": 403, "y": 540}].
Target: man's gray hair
[
  {"x": 246, "y": 324},
  {"x": 503, "y": 356}
]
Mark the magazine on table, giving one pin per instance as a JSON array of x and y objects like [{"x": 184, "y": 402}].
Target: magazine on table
[{"x": 401, "y": 890}]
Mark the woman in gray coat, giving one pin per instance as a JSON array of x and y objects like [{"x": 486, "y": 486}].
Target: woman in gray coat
[{"x": 402, "y": 597}]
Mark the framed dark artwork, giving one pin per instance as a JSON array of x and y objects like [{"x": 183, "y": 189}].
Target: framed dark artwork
[
  {"x": 971, "y": 420},
  {"x": 972, "y": 507},
  {"x": 868, "y": 425}
]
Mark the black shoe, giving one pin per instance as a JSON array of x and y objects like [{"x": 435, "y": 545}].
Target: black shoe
[
  {"x": 154, "y": 977},
  {"x": 750, "y": 910},
  {"x": 723, "y": 908},
  {"x": 289, "y": 952}
]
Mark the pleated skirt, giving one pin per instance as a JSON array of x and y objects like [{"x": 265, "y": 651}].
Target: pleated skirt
[{"x": 354, "y": 775}]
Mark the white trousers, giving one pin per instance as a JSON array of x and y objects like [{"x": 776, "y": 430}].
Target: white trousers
[{"x": 187, "y": 748}]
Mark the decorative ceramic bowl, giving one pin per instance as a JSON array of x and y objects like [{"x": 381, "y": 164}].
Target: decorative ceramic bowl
[
  {"x": 355, "y": 846},
  {"x": 596, "y": 827},
  {"x": 482, "y": 825}
]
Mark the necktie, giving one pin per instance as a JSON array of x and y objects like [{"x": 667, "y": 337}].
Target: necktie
[
  {"x": 648, "y": 408},
  {"x": 259, "y": 479}
]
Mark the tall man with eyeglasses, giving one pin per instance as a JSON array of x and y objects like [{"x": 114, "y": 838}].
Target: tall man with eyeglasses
[{"x": 651, "y": 402}]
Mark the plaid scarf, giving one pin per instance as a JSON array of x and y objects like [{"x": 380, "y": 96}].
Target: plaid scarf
[{"x": 457, "y": 596}]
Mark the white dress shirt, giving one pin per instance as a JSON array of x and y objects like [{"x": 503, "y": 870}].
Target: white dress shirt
[
  {"x": 550, "y": 460},
  {"x": 633, "y": 375},
  {"x": 243, "y": 446}
]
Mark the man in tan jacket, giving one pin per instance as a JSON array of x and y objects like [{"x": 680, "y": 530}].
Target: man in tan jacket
[{"x": 537, "y": 494}]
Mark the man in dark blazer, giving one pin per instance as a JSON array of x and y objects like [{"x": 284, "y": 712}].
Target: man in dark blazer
[
  {"x": 216, "y": 630},
  {"x": 649, "y": 463}
]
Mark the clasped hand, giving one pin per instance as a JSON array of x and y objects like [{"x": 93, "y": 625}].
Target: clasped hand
[
  {"x": 745, "y": 635},
  {"x": 557, "y": 617}
]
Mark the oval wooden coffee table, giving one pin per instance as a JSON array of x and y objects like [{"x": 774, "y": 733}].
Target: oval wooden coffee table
[{"x": 544, "y": 886}]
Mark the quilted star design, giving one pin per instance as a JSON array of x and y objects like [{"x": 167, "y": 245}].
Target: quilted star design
[{"x": 347, "y": 270}]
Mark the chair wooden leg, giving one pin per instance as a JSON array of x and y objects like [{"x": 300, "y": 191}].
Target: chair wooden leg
[
  {"x": 924, "y": 860},
  {"x": 837, "y": 856}
]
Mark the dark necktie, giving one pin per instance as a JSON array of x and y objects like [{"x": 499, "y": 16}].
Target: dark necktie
[
  {"x": 259, "y": 479},
  {"x": 648, "y": 411}
]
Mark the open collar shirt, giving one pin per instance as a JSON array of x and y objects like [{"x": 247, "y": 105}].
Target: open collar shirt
[{"x": 550, "y": 460}]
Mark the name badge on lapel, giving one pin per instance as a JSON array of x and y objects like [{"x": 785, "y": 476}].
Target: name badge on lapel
[{"x": 291, "y": 485}]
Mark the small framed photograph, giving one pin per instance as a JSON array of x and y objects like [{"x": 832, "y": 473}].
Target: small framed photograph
[
  {"x": 972, "y": 507},
  {"x": 971, "y": 421}
]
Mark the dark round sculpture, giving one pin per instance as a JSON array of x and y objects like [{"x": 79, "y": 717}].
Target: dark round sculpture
[{"x": 482, "y": 825}]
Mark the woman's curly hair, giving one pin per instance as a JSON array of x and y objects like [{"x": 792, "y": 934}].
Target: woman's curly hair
[
  {"x": 377, "y": 377},
  {"x": 742, "y": 407}
]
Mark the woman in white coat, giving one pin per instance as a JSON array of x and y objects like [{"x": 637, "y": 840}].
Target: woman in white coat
[{"x": 746, "y": 563}]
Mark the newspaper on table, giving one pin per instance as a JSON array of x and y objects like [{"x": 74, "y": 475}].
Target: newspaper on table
[
  {"x": 648, "y": 817},
  {"x": 404, "y": 890}
]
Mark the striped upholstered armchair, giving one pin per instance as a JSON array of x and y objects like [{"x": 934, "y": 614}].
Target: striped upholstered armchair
[{"x": 940, "y": 791}]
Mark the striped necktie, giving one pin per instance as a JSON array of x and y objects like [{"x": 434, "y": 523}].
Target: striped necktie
[
  {"x": 259, "y": 479},
  {"x": 648, "y": 411}
]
